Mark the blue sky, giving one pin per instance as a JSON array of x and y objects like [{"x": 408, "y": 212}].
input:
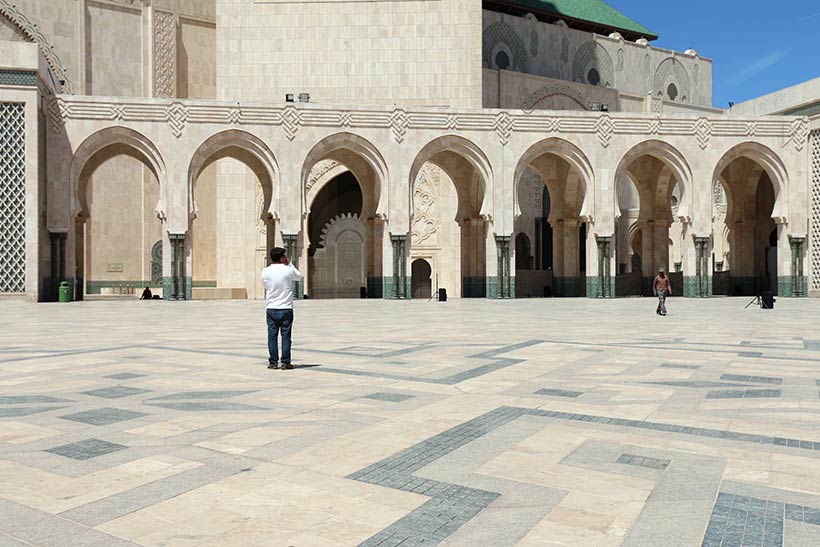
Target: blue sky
[{"x": 756, "y": 46}]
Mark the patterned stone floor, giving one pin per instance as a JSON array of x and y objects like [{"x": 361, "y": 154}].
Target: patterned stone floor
[{"x": 561, "y": 423}]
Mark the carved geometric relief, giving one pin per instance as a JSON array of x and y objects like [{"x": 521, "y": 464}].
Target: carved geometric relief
[
  {"x": 502, "y": 34},
  {"x": 12, "y": 198},
  {"x": 165, "y": 54},
  {"x": 671, "y": 74},
  {"x": 718, "y": 200},
  {"x": 426, "y": 217},
  {"x": 530, "y": 193},
  {"x": 815, "y": 209},
  {"x": 339, "y": 263},
  {"x": 593, "y": 65}
]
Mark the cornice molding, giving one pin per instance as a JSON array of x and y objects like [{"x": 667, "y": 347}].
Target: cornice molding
[{"x": 505, "y": 123}]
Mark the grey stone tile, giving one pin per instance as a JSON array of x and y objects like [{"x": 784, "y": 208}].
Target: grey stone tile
[
  {"x": 207, "y": 406},
  {"x": 559, "y": 392},
  {"x": 390, "y": 397},
  {"x": 743, "y": 394},
  {"x": 30, "y": 399},
  {"x": 643, "y": 461},
  {"x": 116, "y": 392},
  {"x": 15, "y": 411},
  {"x": 32, "y": 527},
  {"x": 201, "y": 395},
  {"x": 673, "y": 365},
  {"x": 692, "y": 383},
  {"x": 103, "y": 416},
  {"x": 749, "y": 354},
  {"x": 125, "y": 375},
  {"x": 753, "y": 379},
  {"x": 86, "y": 449}
]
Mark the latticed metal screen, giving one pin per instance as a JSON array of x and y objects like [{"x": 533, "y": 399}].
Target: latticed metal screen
[
  {"x": 12, "y": 198},
  {"x": 814, "y": 221}
]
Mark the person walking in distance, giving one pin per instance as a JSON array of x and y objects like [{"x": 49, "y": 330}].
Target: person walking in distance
[
  {"x": 278, "y": 281},
  {"x": 662, "y": 288}
]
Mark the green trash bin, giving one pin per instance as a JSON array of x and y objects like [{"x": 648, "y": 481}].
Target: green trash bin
[{"x": 65, "y": 292}]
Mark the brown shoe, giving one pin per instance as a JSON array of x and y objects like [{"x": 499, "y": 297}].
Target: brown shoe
[
  {"x": 287, "y": 366},
  {"x": 273, "y": 366}
]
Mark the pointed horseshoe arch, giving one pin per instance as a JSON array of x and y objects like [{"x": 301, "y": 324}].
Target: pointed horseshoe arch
[
  {"x": 572, "y": 155},
  {"x": 222, "y": 145},
  {"x": 467, "y": 150},
  {"x": 337, "y": 147},
  {"x": 672, "y": 159},
  {"x": 771, "y": 164},
  {"x": 116, "y": 141}
]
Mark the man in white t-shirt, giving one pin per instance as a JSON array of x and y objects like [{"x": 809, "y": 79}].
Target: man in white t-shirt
[{"x": 278, "y": 279}]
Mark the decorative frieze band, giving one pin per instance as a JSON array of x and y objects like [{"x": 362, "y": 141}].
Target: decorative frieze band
[{"x": 793, "y": 131}]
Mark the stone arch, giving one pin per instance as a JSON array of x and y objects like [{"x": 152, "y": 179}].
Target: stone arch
[
  {"x": 246, "y": 148},
  {"x": 103, "y": 145},
  {"x": 551, "y": 90},
  {"x": 358, "y": 155},
  {"x": 771, "y": 163},
  {"x": 672, "y": 158},
  {"x": 500, "y": 34},
  {"x": 568, "y": 152},
  {"x": 672, "y": 72},
  {"x": 29, "y": 30},
  {"x": 465, "y": 149},
  {"x": 593, "y": 55}
]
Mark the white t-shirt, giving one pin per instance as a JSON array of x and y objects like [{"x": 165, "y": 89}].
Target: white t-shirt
[{"x": 278, "y": 282}]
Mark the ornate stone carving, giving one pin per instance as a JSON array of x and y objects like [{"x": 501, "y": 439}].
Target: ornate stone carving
[
  {"x": 620, "y": 59},
  {"x": 814, "y": 220},
  {"x": 339, "y": 263},
  {"x": 703, "y": 132},
  {"x": 319, "y": 170},
  {"x": 291, "y": 119},
  {"x": 553, "y": 89},
  {"x": 593, "y": 55},
  {"x": 672, "y": 72},
  {"x": 530, "y": 193},
  {"x": 13, "y": 198},
  {"x": 503, "y": 126},
  {"x": 177, "y": 118},
  {"x": 502, "y": 33},
  {"x": 605, "y": 129},
  {"x": 398, "y": 124},
  {"x": 718, "y": 200},
  {"x": 564, "y": 49},
  {"x": 426, "y": 217},
  {"x": 798, "y": 133},
  {"x": 165, "y": 54},
  {"x": 30, "y": 30}
]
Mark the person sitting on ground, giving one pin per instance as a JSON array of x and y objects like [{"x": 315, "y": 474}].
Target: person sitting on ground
[{"x": 146, "y": 294}]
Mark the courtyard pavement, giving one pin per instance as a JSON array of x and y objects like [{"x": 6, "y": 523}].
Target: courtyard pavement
[{"x": 556, "y": 422}]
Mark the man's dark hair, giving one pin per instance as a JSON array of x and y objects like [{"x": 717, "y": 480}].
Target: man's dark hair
[{"x": 276, "y": 255}]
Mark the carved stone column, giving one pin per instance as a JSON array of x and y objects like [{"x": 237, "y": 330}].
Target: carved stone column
[
  {"x": 702, "y": 286},
  {"x": 399, "y": 281},
  {"x": 798, "y": 285},
  {"x": 604, "y": 288},
  {"x": 174, "y": 287},
  {"x": 291, "y": 250},
  {"x": 505, "y": 288}
]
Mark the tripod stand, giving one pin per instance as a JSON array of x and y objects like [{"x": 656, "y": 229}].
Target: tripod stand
[{"x": 756, "y": 299}]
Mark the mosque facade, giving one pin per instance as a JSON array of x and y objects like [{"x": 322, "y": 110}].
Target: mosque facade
[{"x": 503, "y": 149}]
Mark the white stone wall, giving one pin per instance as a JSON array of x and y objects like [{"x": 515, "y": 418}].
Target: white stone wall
[
  {"x": 411, "y": 52},
  {"x": 556, "y": 51}
]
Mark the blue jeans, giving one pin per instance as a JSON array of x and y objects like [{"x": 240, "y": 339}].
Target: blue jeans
[{"x": 279, "y": 319}]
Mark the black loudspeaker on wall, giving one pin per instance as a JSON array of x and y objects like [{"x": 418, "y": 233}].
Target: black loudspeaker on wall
[{"x": 442, "y": 295}]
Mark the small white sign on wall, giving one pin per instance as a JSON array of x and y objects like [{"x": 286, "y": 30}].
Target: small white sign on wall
[{"x": 114, "y": 267}]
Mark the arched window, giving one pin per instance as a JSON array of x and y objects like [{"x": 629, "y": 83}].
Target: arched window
[
  {"x": 672, "y": 91},
  {"x": 502, "y": 60},
  {"x": 593, "y": 76}
]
